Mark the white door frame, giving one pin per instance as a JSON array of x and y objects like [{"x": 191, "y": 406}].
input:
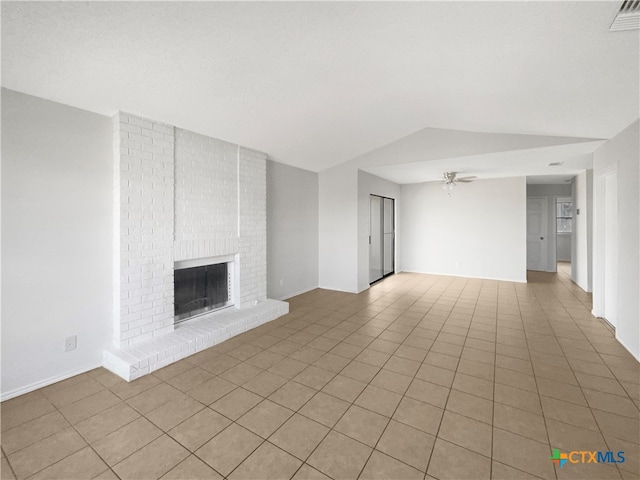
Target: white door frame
[{"x": 604, "y": 295}]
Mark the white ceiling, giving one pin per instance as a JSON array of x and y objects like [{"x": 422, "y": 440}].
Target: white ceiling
[
  {"x": 315, "y": 84},
  {"x": 534, "y": 163}
]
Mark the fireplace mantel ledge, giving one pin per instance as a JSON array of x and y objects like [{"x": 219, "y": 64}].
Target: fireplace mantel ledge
[{"x": 188, "y": 338}]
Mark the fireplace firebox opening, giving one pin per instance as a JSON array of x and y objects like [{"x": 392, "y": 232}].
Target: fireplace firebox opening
[{"x": 201, "y": 289}]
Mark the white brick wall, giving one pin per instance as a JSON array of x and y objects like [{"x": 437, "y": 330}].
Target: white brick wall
[
  {"x": 206, "y": 197},
  {"x": 180, "y": 196},
  {"x": 144, "y": 215},
  {"x": 252, "y": 170}
]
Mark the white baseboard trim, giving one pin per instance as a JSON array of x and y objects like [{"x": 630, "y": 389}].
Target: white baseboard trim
[
  {"x": 45, "y": 383},
  {"x": 336, "y": 289},
  {"x": 295, "y": 294},
  {"x": 580, "y": 285},
  {"x": 618, "y": 339},
  {"x": 626, "y": 347},
  {"x": 514, "y": 280}
]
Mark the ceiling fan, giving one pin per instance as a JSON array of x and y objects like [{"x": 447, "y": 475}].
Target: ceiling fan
[{"x": 451, "y": 179}]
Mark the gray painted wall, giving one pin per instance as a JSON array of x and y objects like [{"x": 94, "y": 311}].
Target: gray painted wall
[{"x": 292, "y": 230}]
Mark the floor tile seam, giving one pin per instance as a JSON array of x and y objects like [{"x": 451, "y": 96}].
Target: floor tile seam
[
  {"x": 304, "y": 460},
  {"x": 606, "y": 391},
  {"x": 390, "y": 418},
  {"x": 86, "y": 444},
  {"x": 314, "y": 468},
  {"x": 334, "y": 375},
  {"x": 588, "y": 429},
  {"x": 108, "y": 467},
  {"x": 605, "y": 363},
  {"x": 174, "y": 426},
  {"x": 612, "y": 394},
  {"x": 59, "y": 406},
  {"x": 546, "y": 427},
  {"x": 582, "y": 391},
  {"x": 239, "y": 463},
  {"x": 516, "y": 468},
  {"x": 158, "y": 406},
  {"x": 611, "y": 413},
  {"x": 579, "y": 327},
  {"x": 69, "y": 425},
  {"x": 490, "y": 457},
  {"x": 375, "y": 449},
  {"x": 266, "y": 440},
  {"x": 493, "y": 401},
  {"x": 353, "y": 403},
  {"x": 563, "y": 348},
  {"x": 332, "y": 429},
  {"x": 131, "y": 453},
  {"x": 64, "y": 384},
  {"x": 305, "y": 403},
  {"x": 21, "y": 405},
  {"x": 36, "y": 418},
  {"x": 511, "y": 356},
  {"x": 231, "y": 420},
  {"x": 6, "y": 457},
  {"x": 250, "y": 410},
  {"x": 168, "y": 432},
  {"x": 444, "y": 408},
  {"x": 569, "y": 290},
  {"x": 139, "y": 415}
]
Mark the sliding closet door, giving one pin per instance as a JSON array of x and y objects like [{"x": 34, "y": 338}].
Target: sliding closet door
[
  {"x": 388, "y": 237},
  {"x": 375, "y": 239},
  {"x": 381, "y": 238}
]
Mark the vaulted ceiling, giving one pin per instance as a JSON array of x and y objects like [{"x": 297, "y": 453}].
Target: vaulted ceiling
[{"x": 315, "y": 84}]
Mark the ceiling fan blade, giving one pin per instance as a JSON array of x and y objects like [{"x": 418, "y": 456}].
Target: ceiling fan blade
[{"x": 465, "y": 179}]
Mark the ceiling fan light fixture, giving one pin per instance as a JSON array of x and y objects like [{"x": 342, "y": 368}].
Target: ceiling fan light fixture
[{"x": 448, "y": 185}]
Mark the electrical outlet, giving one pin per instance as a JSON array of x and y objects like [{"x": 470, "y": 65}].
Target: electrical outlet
[{"x": 70, "y": 343}]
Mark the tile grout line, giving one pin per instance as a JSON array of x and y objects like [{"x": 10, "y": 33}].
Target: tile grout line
[
  {"x": 607, "y": 443},
  {"x": 444, "y": 408},
  {"x": 389, "y": 299},
  {"x": 544, "y": 418}
]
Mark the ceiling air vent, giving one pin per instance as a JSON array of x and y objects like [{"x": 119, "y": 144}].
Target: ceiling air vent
[{"x": 628, "y": 18}]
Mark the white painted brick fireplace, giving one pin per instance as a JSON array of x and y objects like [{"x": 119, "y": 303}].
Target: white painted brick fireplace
[{"x": 182, "y": 196}]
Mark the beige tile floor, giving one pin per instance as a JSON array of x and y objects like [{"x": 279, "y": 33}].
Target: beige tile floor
[{"x": 419, "y": 377}]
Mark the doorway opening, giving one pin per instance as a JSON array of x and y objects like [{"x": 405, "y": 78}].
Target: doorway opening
[
  {"x": 381, "y": 237},
  {"x": 564, "y": 234}
]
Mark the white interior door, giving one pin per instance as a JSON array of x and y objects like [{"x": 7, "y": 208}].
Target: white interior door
[
  {"x": 610, "y": 263},
  {"x": 537, "y": 233}
]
